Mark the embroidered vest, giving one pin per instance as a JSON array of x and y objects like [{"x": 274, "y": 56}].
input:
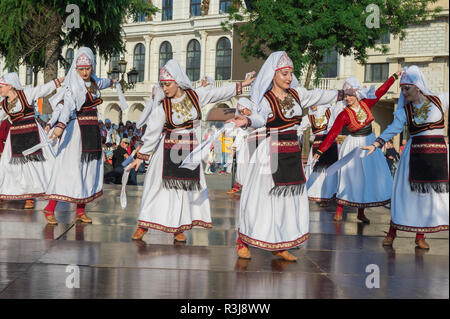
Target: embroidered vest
[
  {"x": 317, "y": 129},
  {"x": 279, "y": 121},
  {"x": 354, "y": 123},
  {"x": 167, "y": 104},
  {"x": 26, "y": 110},
  {"x": 415, "y": 128}
]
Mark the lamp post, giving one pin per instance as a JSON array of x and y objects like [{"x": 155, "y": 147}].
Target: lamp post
[{"x": 115, "y": 73}]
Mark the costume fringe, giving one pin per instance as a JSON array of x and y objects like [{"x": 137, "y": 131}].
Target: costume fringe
[
  {"x": 287, "y": 190},
  {"x": 16, "y": 160},
  {"x": 426, "y": 187},
  {"x": 320, "y": 168},
  {"x": 90, "y": 156},
  {"x": 186, "y": 185}
]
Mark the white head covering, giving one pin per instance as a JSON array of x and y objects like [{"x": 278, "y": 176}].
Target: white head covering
[
  {"x": 264, "y": 81},
  {"x": 153, "y": 101},
  {"x": 74, "y": 92},
  {"x": 413, "y": 76},
  {"x": 361, "y": 92},
  {"x": 11, "y": 79},
  {"x": 172, "y": 71}
]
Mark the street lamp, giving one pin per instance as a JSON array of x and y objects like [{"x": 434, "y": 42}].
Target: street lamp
[{"x": 115, "y": 73}]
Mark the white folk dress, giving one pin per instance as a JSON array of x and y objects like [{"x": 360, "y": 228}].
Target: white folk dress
[
  {"x": 267, "y": 221},
  {"x": 28, "y": 180},
  {"x": 320, "y": 186},
  {"x": 412, "y": 211},
  {"x": 242, "y": 154},
  {"x": 73, "y": 180},
  {"x": 174, "y": 210}
]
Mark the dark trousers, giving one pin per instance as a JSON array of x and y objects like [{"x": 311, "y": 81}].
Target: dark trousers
[{"x": 116, "y": 176}]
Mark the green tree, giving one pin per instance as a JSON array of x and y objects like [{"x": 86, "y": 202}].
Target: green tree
[
  {"x": 34, "y": 31},
  {"x": 309, "y": 29}
]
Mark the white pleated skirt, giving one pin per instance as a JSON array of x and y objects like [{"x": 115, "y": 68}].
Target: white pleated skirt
[
  {"x": 266, "y": 221},
  {"x": 242, "y": 159},
  {"x": 365, "y": 181},
  {"x": 320, "y": 186},
  {"x": 416, "y": 212},
  {"x": 25, "y": 181},
  {"x": 72, "y": 180},
  {"x": 172, "y": 210}
]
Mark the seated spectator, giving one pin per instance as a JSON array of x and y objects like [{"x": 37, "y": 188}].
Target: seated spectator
[{"x": 122, "y": 153}]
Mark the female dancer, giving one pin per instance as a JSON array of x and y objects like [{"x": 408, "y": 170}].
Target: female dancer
[
  {"x": 322, "y": 188},
  {"x": 274, "y": 208},
  {"x": 176, "y": 199},
  {"x": 77, "y": 176},
  {"x": 24, "y": 177},
  {"x": 420, "y": 190},
  {"x": 362, "y": 182}
]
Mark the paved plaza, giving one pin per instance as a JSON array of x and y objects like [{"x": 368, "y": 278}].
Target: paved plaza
[{"x": 34, "y": 256}]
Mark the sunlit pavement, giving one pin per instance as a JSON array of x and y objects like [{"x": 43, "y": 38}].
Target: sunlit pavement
[{"x": 340, "y": 260}]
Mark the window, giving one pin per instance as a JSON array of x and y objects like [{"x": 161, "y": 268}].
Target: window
[
  {"x": 329, "y": 65},
  {"x": 384, "y": 39},
  {"x": 195, "y": 7},
  {"x": 167, "y": 6},
  {"x": 165, "y": 53},
  {"x": 376, "y": 72},
  {"x": 114, "y": 61},
  {"x": 141, "y": 17},
  {"x": 193, "y": 60},
  {"x": 69, "y": 59},
  {"x": 139, "y": 61},
  {"x": 224, "y": 6},
  {"x": 223, "y": 59},
  {"x": 29, "y": 76}
]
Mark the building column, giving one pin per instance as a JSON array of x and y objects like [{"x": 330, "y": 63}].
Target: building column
[
  {"x": 148, "y": 40},
  {"x": 396, "y": 140},
  {"x": 204, "y": 36}
]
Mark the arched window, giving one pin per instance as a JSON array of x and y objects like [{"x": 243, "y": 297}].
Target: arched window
[
  {"x": 193, "y": 60},
  {"x": 139, "y": 61},
  {"x": 69, "y": 59},
  {"x": 223, "y": 59},
  {"x": 114, "y": 61},
  {"x": 165, "y": 53},
  {"x": 167, "y": 6}
]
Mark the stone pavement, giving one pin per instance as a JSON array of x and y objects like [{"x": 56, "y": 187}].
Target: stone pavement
[{"x": 332, "y": 264}]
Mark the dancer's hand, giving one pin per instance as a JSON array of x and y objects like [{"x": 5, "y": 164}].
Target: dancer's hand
[
  {"x": 136, "y": 163},
  {"x": 239, "y": 121},
  {"x": 47, "y": 129},
  {"x": 316, "y": 157},
  {"x": 399, "y": 73},
  {"x": 249, "y": 80},
  {"x": 57, "y": 132},
  {"x": 369, "y": 148}
]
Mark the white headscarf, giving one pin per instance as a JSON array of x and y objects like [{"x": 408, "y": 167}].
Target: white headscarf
[
  {"x": 153, "y": 101},
  {"x": 361, "y": 92},
  {"x": 413, "y": 76},
  {"x": 74, "y": 92},
  {"x": 175, "y": 73},
  {"x": 264, "y": 80},
  {"x": 11, "y": 79}
]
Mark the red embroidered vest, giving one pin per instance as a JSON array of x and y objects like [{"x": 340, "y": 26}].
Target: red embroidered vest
[{"x": 354, "y": 123}]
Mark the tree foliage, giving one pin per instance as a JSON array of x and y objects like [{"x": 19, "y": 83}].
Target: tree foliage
[
  {"x": 27, "y": 26},
  {"x": 309, "y": 29}
]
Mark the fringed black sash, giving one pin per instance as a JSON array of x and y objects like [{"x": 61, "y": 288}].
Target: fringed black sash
[
  {"x": 288, "y": 174},
  {"x": 177, "y": 147},
  {"x": 428, "y": 164},
  {"x": 364, "y": 131},
  {"x": 91, "y": 140},
  {"x": 24, "y": 135},
  {"x": 328, "y": 158}
]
